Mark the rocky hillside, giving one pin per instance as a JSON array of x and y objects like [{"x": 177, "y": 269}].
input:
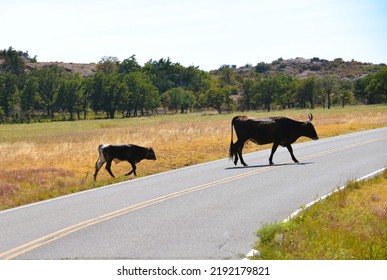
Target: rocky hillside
[
  {"x": 301, "y": 67},
  {"x": 298, "y": 67},
  {"x": 85, "y": 70}
]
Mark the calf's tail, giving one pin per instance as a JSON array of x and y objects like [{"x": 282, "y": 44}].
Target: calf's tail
[{"x": 99, "y": 162}]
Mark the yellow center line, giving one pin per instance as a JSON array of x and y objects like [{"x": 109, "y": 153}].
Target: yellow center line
[
  {"x": 10, "y": 254},
  {"x": 22, "y": 249},
  {"x": 347, "y": 147}
]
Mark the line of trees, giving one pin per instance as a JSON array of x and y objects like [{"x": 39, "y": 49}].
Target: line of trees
[
  {"x": 283, "y": 91},
  {"x": 128, "y": 89}
]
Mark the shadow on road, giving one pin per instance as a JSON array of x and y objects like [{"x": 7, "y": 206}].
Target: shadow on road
[{"x": 267, "y": 165}]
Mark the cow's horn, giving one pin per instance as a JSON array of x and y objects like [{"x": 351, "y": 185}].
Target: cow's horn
[{"x": 310, "y": 117}]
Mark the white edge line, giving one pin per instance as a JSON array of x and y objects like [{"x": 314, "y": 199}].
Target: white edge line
[{"x": 254, "y": 252}]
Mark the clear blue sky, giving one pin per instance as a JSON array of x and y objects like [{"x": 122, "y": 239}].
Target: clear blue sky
[{"x": 203, "y": 33}]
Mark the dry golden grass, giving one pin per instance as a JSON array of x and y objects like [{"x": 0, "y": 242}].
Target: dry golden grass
[{"x": 40, "y": 161}]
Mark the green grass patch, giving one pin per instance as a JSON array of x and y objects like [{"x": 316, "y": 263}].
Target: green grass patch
[{"x": 351, "y": 224}]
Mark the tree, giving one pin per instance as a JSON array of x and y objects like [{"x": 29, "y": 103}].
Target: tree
[
  {"x": 9, "y": 98},
  {"x": 188, "y": 101},
  {"x": 328, "y": 86},
  {"x": 262, "y": 67},
  {"x": 70, "y": 94},
  {"x": 194, "y": 79},
  {"x": 377, "y": 87},
  {"x": 108, "y": 92},
  {"x": 359, "y": 89},
  {"x": 48, "y": 79},
  {"x": 372, "y": 89},
  {"x": 29, "y": 97},
  {"x": 226, "y": 76},
  {"x": 179, "y": 98},
  {"x": 129, "y": 65},
  {"x": 13, "y": 62},
  {"x": 143, "y": 95},
  {"x": 285, "y": 90},
  {"x": 247, "y": 93},
  {"x": 163, "y": 73},
  {"x": 152, "y": 98},
  {"x": 96, "y": 87},
  {"x": 112, "y": 94},
  {"x": 306, "y": 90},
  {"x": 108, "y": 64},
  {"x": 217, "y": 96},
  {"x": 345, "y": 92},
  {"x": 86, "y": 96},
  {"x": 173, "y": 99},
  {"x": 268, "y": 90}
]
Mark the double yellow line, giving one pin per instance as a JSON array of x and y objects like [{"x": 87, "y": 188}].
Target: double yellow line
[
  {"x": 22, "y": 249},
  {"x": 13, "y": 253}
]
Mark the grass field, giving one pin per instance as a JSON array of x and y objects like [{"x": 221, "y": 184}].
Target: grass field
[
  {"x": 348, "y": 225},
  {"x": 45, "y": 160}
]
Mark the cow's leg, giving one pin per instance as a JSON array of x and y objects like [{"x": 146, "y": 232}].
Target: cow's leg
[
  {"x": 108, "y": 168},
  {"x": 234, "y": 153},
  {"x": 133, "y": 169},
  {"x": 239, "y": 147},
  {"x": 290, "y": 149},
  {"x": 99, "y": 163},
  {"x": 273, "y": 149}
]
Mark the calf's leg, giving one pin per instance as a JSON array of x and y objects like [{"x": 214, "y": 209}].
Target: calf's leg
[
  {"x": 108, "y": 168},
  {"x": 133, "y": 169}
]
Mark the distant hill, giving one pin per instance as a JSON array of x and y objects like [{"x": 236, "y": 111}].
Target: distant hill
[
  {"x": 301, "y": 67},
  {"x": 85, "y": 69},
  {"x": 297, "y": 67}
]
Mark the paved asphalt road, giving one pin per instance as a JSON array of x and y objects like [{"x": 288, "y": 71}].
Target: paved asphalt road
[{"x": 207, "y": 211}]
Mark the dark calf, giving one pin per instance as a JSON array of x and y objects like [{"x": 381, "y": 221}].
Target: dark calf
[{"x": 130, "y": 153}]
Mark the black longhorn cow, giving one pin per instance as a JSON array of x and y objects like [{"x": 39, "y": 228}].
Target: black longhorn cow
[
  {"x": 277, "y": 130},
  {"x": 130, "y": 153}
]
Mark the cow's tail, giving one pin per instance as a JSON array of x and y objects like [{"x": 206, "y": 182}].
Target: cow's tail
[{"x": 232, "y": 150}]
